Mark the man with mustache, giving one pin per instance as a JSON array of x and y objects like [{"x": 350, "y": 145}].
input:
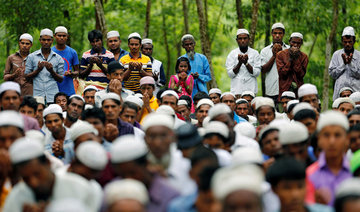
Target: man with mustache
[{"x": 113, "y": 43}]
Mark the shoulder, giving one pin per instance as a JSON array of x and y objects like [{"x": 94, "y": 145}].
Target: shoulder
[
  {"x": 86, "y": 54},
  {"x": 312, "y": 168},
  {"x": 125, "y": 58},
  {"x": 71, "y": 49},
  {"x": 266, "y": 48},
  {"x": 234, "y": 52},
  {"x": 253, "y": 51},
  {"x": 108, "y": 54}
]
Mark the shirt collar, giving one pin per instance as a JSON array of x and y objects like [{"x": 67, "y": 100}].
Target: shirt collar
[
  {"x": 103, "y": 51},
  {"x": 38, "y": 52},
  {"x": 322, "y": 162},
  {"x": 283, "y": 45},
  {"x": 132, "y": 56}
]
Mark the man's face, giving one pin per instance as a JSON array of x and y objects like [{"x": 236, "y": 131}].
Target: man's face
[
  {"x": 226, "y": 119},
  {"x": 10, "y": 100},
  {"x": 354, "y": 138},
  {"x": 158, "y": 139},
  {"x": 126, "y": 205},
  {"x": 183, "y": 111},
  {"x": 351, "y": 205},
  {"x": 46, "y": 41},
  {"x": 248, "y": 98},
  {"x": 128, "y": 115},
  {"x": 147, "y": 89},
  {"x": 39, "y": 113},
  {"x": 111, "y": 109},
  {"x": 27, "y": 111},
  {"x": 8, "y": 135},
  {"x": 188, "y": 45},
  {"x": 214, "y": 142},
  {"x": 206, "y": 202},
  {"x": 333, "y": 141},
  {"x": 346, "y": 93},
  {"x": 75, "y": 108},
  {"x": 271, "y": 145},
  {"x": 169, "y": 100},
  {"x": 284, "y": 102},
  {"x": 345, "y": 108},
  {"x": 98, "y": 124},
  {"x": 25, "y": 45},
  {"x": 291, "y": 194},
  {"x": 147, "y": 49},
  {"x": 298, "y": 151},
  {"x": 96, "y": 44},
  {"x": 295, "y": 42},
  {"x": 242, "y": 110},
  {"x": 118, "y": 74},
  {"x": 54, "y": 123},
  {"x": 348, "y": 43},
  {"x": 202, "y": 112},
  {"x": 243, "y": 40},
  {"x": 229, "y": 100},
  {"x": 215, "y": 98},
  {"x": 61, "y": 38},
  {"x": 89, "y": 97},
  {"x": 310, "y": 125},
  {"x": 62, "y": 102},
  {"x": 278, "y": 35},
  {"x": 312, "y": 99},
  {"x": 134, "y": 45},
  {"x": 113, "y": 43},
  {"x": 354, "y": 119},
  {"x": 242, "y": 201},
  {"x": 265, "y": 115}
]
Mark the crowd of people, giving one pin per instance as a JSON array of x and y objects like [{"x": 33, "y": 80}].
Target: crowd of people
[{"x": 107, "y": 133}]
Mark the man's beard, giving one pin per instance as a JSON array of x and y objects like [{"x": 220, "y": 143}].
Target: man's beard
[
  {"x": 72, "y": 119},
  {"x": 191, "y": 54}
]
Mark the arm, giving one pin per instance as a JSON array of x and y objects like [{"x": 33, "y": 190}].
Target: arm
[
  {"x": 85, "y": 67},
  {"x": 337, "y": 66},
  {"x": 7, "y": 74},
  {"x": 76, "y": 66},
  {"x": 300, "y": 65},
  {"x": 147, "y": 71},
  {"x": 189, "y": 87},
  {"x": 255, "y": 68},
  {"x": 283, "y": 63},
  {"x": 29, "y": 69},
  {"x": 162, "y": 76},
  {"x": 57, "y": 70},
  {"x": 354, "y": 68},
  {"x": 172, "y": 83},
  {"x": 205, "y": 75},
  {"x": 232, "y": 65}
]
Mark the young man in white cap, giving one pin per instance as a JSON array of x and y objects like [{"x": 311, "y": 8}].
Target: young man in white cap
[
  {"x": 71, "y": 65},
  {"x": 229, "y": 99},
  {"x": 268, "y": 61},
  {"x": 89, "y": 94},
  {"x": 309, "y": 93},
  {"x": 243, "y": 65},
  {"x": 202, "y": 109},
  {"x": 344, "y": 105},
  {"x": 200, "y": 68},
  {"x": 291, "y": 64},
  {"x": 215, "y": 94},
  {"x": 285, "y": 97},
  {"x": 45, "y": 68},
  {"x": 147, "y": 88},
  {"x": 265, "y": 110},
  {"x": 75, "y": 107},
  {"x": 15, "y": 65},
  {"x": 344, "y": 66},
  {"x": 136, "y": 64},
  {"x": 157, "y": 66},
  {"x": 348, "y": 196},
  {"x": 345, "y": 92},
  {"x": 113, "y": 43}
]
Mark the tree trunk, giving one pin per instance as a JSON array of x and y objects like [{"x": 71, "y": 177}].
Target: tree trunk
[
  {"x": 218, "y": 22},
  {"x": 312, "y": 46},
  {"x": 254, "y": 19},
  {"x": 204, "y": 38},
  {"x": 186, "y": 17},
  {"x": 100, "y": 17},
  {"x": 147, "y": 19},
  {"x": 239, "y": 14},
  {"x": 329, "y": 41},
  {"x": 267, "y": 40},
  {"x": 164, "y": 28},
  {"x": 177, "y": 42}
]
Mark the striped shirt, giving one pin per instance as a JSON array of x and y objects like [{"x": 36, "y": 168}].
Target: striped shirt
[{"x": 133, "y": 82}]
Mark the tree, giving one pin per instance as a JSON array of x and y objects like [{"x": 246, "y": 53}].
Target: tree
[
  {"x": 254, "y": 19},
  {"x": 147, "y": 20},
  {"x": 100, "y": 17},
  {"x": 239, "y": 14},
  {"x": 186, "y": 18},
  {"x": 164, "y": 29}
]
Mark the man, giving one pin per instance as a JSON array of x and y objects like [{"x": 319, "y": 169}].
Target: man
[
  {"x": 354, "y": 117},
  {"x": 286, "y": 96},
  {"x": 134, "y": 63},
  {"x": 202, "y": 109},
  {"x": 265, "y": 110},
  {"x": 345, "y": 92},
  {"x": 268, "y": 61},
  {"x": 229, "y": 99},
  {"x": 344, "y": 105},
  {"x": 89, "y": 94},
  {"x": 348, "y": 196},
  {"x": 71, "y": 65},
  {"x": 243, "y": 65},
  {"x": 157, "y": 66},
  {"x": 184, "y": 109},
  {"x": 61, "y": 99},
  {"x": 83, "y": 131},
  {"x": 270, "y": 144},
  {"x": 309, "y": 93},
  {"x": 11, "y": 128},
  {"x": 129, "y": 113},
  {"x": 40, "y": 109},
  {"x": 307, "y": 116},
  {"x": 242, "y": 110},
  {"x": 45, "y": 68},
  {"x": 75, "y": 107},
  {"x": 28, "y": 106},
  {"x": 147, "y": 88},
  {"x": 113, "y": 43},
  {"x": 15, "y": 65},
  {"x": 291, "y": 65},
  {"x": 356, "y": 98},
  {"x": 200, "y": 68},
  {"x": 215, "y": 95},
  {"x": 344, "y": 66},
  {"x": 94, "y": 62}
]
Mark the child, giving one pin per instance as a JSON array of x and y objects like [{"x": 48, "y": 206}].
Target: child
[{"x": 182, "y": 82}]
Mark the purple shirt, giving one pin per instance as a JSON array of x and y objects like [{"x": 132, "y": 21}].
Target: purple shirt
[{"x": 124, "y": 128}]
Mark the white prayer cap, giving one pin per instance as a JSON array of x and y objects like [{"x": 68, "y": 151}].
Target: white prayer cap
[
  {"x": 53, "y": 109},
  {"x": 279, "y": 122},
  {"x": 215, "y": 90},
  {"x": 345, "y": 89},
  {"x": 24, "y": 149},
  {"x": 80, "y": 128},
  {"x": 88, "y": 107},
  {"x": 127, "y": 148},
  {"x": 110, "y": 95},
  {"x": 139, "y": 95},
  {"x": 147, "y": 41},
  {"x": 9, "y": 85},
  {"x": 11, "y": 118},
  {"x": 246, "y": 155},
  {"x": 35, "y": 135},
  {"x": 307, "y": 89},
  {"x": 67, "y": 204},
  {"x": 265, "y": 101},
  {"x": 147, "y": 80},
  {"x": 266, "y": 129},
  {"x": 46, "y": 31},
  {"x": 278, "y": 25},
  {"x": 219, "y": 109},
  {"x": 348, "y": 31},
  {"x": 341, "y": 100},
  {"x": 92, "y": 154},
  {"x": 61, "y": 29},
  {"x": 296, "y": 35},
  {"x": 201, "y": 130},
  {"x": 291, "y": 102},
  {"x": 227, "y": 93},
  {"x": 165, "y": 110},
  {"x": 182, "y": 102},
  {"x": 354, "y": 96},
  {"x": 255, "y": 100},
  {"x": 26, "y": 36},
  {"x": 205, "y": 101},
  {"x": 242, "y": 31},
  {"x": 77, "y": 96},
  {"x": 293, "y": 133},
  {"x": 230, "y": 179},
  {"x": 134, "y": 35},
  {"x": 217, "y": 127},
  {"x": 112, "y": 34},
  {"x": 288, "y": 94},
  {"x": 246, "y": 129},
  {"x": 124, "y": 190},
  {"x": 332, "y": 117},
  {"x": 205, "y": 122},
  {"x": 91, "y": 87},
  {"x": 348, "y": 187},
  {"x": 40, "y": 99},
  {"x": 134, "y": 99},
  {"x": 157, "y": 119},
  {"x": 248, "y": 93},
  {"x": 241, "y": 101},
  {"x": 187, "y": 37},
  {"x": 301, "y": 106},
  {"x": 169, "y": 92}
]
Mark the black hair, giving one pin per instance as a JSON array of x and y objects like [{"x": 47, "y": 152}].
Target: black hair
[
  {"x": 94, "y": 34},
  {"x": 340, "y": 202},
  {"x": 289, "y": 97},
  {"x": 94, "y": 113},
  {"x": 114, "y": 100},
  {"x": 161, "y": 91},
  {"x": 200, "y": 95},
  {"x": 349, "y": 36},
  {"x": 1, "y": 95},
  {"x": 257, "y": 110},
  {"x": 291, "y": 107},
  {"x": 355, "y": 111},
  {"x": 355, "y": 128},
  {"x": 304, "y": 114},
  {"x": 130, "y": 105},
  {"x": 89, "y": 89},
  {"x": 209, "y": 135},
  {"x": 205, "y": 176},
  {"x": 30, "y": 102},
  {"x": 113, "y": 66},
  {"x": 141, "y": 160},
  {"x": 203, "y": 153},
  {"x": 137, "y": 38},
  {"x": 285, "y": 168},
  {"x": 61, "y": 94},
  {"x": 187, "y": 99},
  {"x": 182, "y": 59},
  {"x": 301, "y": 98},
  {"x": 78, "y": 98},
  {"x": 278, "y": 28}
]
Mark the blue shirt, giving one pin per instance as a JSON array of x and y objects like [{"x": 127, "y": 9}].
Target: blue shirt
[
  {"x": 238, "y": 119},
  {"x": 183, "y": 203},
  {"x": 200, "y": 65},
  {"x": 122, "y": 53},
  {"x": 70, "y": 59},
  {"x": 68, "y": 146},
  {"x": 44, "y": 84}
]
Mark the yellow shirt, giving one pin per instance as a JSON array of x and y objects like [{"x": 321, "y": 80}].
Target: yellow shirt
[{"x": 153, "y": 105}]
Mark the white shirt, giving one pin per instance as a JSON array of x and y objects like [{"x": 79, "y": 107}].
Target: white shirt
[
  {"x": 272, "y": 77},
  {"x": 243, "y": 80}
]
